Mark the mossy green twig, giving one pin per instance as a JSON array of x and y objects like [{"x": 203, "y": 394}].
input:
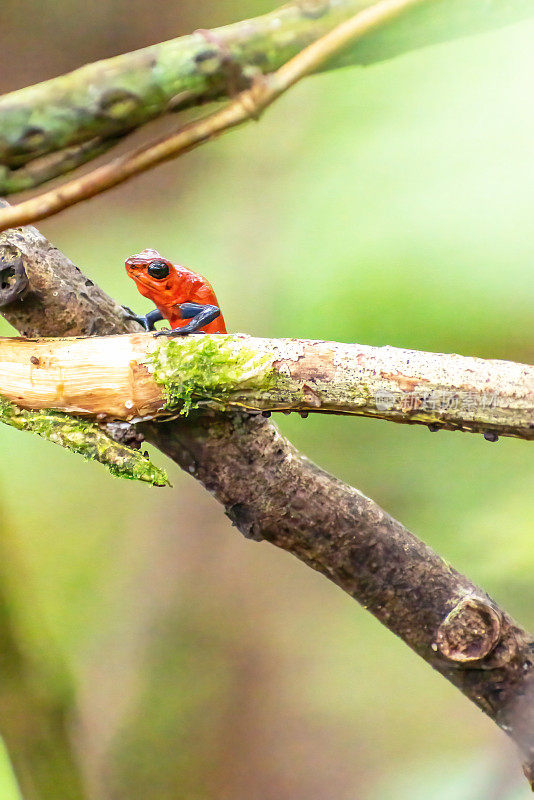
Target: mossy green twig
[
  {"x": 51, "y": 166},
  {"x": 108, "y": 99},
  {"x": 84, "y": 438}
]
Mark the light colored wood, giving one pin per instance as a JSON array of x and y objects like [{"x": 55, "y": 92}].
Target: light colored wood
[
  {"x": 114, "y": 377},
  {"x": 93, "y": 376}
]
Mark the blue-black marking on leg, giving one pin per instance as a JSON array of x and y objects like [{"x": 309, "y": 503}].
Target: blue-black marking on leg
[
  {"x": 148, "y": 321},
  {"x": 200, "y": 315}
]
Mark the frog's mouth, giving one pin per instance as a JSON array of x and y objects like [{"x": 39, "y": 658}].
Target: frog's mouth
[
  {"x": 146, "y": 285},
  {"x": 138, "y": 274}
]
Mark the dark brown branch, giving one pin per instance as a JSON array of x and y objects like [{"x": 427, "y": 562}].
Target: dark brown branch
[{"x": 271, "y": 492}]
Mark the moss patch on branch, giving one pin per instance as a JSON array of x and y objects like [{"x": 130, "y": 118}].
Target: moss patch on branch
[
  {"x": 210, "y": 368},
  {"x": 84, "y": 438}
]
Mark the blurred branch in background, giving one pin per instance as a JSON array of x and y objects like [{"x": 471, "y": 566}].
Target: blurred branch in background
[
  {"x": 246, "y": 106},
  {"x": 271, "y": 492},
  {"x": 143, "y": 377},
  {"x": 104, "y": 101}
]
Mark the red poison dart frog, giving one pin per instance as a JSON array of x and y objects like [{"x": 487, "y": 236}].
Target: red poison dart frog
[{"x": 181, "y": 296}]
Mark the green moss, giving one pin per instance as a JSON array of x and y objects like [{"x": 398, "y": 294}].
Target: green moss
[
  {"x": 84, "y": 438},
  {"x": 208, "y": 368}
]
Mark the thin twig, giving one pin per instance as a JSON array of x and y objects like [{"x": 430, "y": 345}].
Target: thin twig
[
  {"x": 48, "y": 167},
  {"x": 247, "y": 105},
  {"x": 108, "y": 99}
]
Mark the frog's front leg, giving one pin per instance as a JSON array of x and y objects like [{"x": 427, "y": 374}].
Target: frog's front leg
[
  {"x": 148, "y": 321},
  {"x": 199, "y": 314}
]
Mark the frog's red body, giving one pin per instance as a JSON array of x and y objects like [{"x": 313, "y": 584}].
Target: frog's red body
[{"x": 169, "y": 286}]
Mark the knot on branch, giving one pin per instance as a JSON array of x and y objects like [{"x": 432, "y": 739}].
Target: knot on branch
[
  {"x": 242, "y": 516},
  {"x": 470, "y": 632},
  {"x": 13, "y": 278}
]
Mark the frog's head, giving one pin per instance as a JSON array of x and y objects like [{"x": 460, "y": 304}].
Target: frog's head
[{"x": 154, "y": 275}]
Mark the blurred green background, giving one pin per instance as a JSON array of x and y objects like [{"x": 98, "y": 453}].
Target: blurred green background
[{"x": 386, "y": 205}]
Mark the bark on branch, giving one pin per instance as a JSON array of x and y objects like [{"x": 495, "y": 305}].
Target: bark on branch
[
  {"x": 82, "y": 113},
  {"x": 142, "y": 377},
  {"x": 271, "y": 492},
  {"x": 247, "y": 105}
]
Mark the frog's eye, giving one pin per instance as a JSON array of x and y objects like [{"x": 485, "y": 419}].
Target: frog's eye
[{"x": 158, "y": 269}]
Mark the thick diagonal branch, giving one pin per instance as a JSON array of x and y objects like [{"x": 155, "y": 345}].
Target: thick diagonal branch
[{"x": 271, "y": 492}]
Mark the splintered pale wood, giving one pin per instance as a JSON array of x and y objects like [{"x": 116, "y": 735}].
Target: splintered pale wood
[
  {"x": 140, "y": 376},
  {"x": 93, "y": 376}
]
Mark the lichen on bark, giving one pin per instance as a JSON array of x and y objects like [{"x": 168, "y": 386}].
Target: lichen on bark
[{"x": 84, "y": 438}]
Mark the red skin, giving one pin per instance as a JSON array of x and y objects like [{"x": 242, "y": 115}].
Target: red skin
[{"x": 181, "y": 286}]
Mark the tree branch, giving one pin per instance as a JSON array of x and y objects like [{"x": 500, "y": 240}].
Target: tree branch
[
  {"x": 52, "y": 165},
  {"x": 246, "y": 106},
  {"x": 382, "y": 29},
  {"x": 142, "y": 376},
  {"x": 84, "y": 438},
  {"x": 107, "y": 99},
  {"x": 271, "y": 492}
]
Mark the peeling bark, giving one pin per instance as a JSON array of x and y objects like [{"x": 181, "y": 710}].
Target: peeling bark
[{"x": 141, "y": 376}]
